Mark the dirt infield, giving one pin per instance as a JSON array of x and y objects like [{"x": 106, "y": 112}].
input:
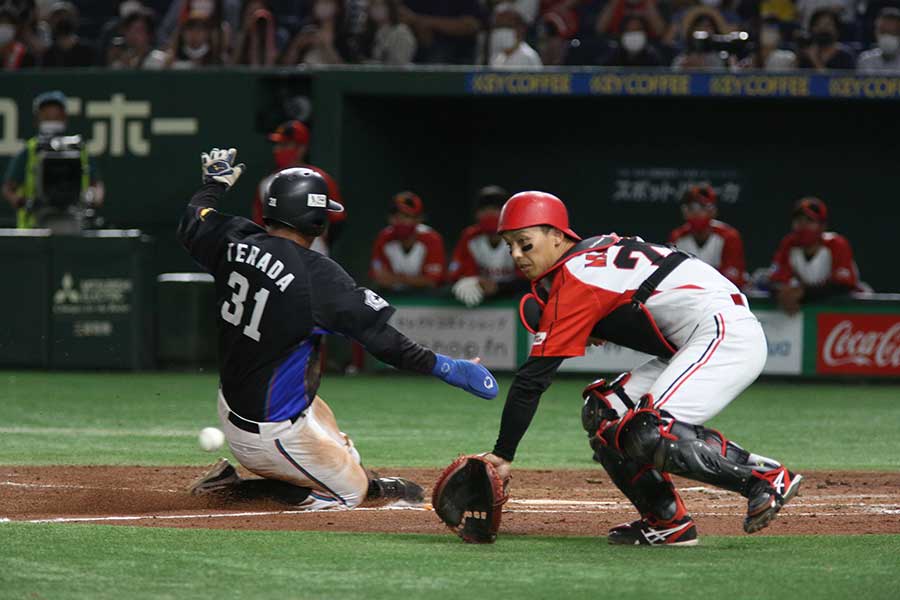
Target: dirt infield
[{"x": 542, "y": 503}]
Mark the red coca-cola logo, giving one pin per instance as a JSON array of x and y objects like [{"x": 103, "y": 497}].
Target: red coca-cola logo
[{"x": 861, "y": 344}]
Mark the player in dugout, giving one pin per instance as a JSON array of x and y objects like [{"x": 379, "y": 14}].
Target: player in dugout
[
  {"x": 811, "y": 263},
  {"x": 714, "y": 242},
  {"x": 407, "y": 254},
  {"x": 481, "y": 266}
]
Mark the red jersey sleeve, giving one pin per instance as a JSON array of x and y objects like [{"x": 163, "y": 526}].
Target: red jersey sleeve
[
  {"x": 843, "y": 270},
  {"x": 733, "y": 266},
  {"x": 433, "y": 267},
  {"x": 569, "y": 316},
  {"x": 463, "y": 263},
  {"x": 782, "y": 272},
  {"x": 379, "y": 261}
]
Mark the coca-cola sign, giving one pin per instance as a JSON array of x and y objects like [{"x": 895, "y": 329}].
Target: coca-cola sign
[{"x": 858, "y": 344}]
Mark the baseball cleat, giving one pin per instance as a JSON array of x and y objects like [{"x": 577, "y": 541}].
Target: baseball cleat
[
  {"x": 774, "y": 489},
  {"x": 396, "y": 489},
  {"x": 217, "y": 478},
  {"x": 650, "y": 532}
]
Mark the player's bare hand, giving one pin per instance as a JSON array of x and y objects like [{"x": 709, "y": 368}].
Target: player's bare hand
[
  {"x": 789, "y": 298},
  {"x": 218, "y": 165},
  {"x": 503, "y": 466}
]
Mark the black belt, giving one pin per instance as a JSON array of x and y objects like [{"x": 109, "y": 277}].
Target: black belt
[{"x": 253, "y": 427}]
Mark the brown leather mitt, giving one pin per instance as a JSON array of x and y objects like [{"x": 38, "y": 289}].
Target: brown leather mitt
[{"x": 469, "y": 497}]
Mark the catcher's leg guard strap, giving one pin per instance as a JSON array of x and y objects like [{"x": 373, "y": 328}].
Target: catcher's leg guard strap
[
  {"x": 691, "y": 451},
  {"x": 651, "y": 492},
  {"x": 597, "y": 413}
]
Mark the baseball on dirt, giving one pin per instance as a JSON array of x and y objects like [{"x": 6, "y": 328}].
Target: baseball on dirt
[{"x": 211, "y": 439}]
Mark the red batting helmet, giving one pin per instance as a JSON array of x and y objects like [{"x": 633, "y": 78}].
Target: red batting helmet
[{"x": 528, "y": 209}]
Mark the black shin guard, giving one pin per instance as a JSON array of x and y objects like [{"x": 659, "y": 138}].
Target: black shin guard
[
  {"x": 690, "y": 451},
  {"x": 651, "y": 492}
]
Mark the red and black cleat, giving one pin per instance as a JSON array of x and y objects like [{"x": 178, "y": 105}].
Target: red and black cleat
[
  {"x": 650, "y": 532},
  {"x": 774, "y": 489}
]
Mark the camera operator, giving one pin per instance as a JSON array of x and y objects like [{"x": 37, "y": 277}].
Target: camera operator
[
  {"x": 708, "y": 47},
  {"x": 22, "y": 184}
]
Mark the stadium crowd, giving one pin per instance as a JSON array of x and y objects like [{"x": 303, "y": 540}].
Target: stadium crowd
[{"x": 772, "y": 35}]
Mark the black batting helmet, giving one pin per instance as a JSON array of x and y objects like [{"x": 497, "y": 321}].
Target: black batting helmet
[{"x": 298, "y": 197}]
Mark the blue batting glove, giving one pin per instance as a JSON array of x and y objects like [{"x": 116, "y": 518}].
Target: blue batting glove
[{"x": 467, "y": 375}]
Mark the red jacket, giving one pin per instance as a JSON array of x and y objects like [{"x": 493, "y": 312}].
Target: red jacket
[
  {"x": 832, "y": 264},
  {"x": 426, "y": 257},
  {"x": 724, "y": 249}
]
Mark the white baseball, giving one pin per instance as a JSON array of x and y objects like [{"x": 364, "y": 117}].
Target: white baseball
[{"x": 211, "y": 439}]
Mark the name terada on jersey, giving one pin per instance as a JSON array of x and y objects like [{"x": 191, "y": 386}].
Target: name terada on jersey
[{"x": 248, "y": 253}]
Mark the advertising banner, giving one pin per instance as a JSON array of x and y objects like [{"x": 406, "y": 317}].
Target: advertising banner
[{"x": 858, "y": 344}]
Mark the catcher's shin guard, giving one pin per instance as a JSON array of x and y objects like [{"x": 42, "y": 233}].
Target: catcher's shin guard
[
  {"x": 651, "y": 492},
  {"x": 395, "y": 489},
  {"x": 702, "y": 454}
]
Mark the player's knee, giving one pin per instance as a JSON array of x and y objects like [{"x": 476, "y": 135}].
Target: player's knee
[{"x": 640, "y": 437}]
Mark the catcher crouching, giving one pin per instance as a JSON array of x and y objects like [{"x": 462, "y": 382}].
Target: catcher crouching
[{"x": 647, "y": 424}]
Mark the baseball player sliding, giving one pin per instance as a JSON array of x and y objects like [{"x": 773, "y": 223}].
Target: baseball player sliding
[
  {"x": 645, "y": 424},
  {"x": 275, "y": 298}
]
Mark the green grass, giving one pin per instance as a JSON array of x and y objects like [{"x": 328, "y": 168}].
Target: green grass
[
  {"x": 153, "y": 418},
  {"x": 74, "y": 561}
]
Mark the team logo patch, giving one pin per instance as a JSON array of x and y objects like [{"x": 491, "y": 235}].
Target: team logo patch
[
  {"x": 317, "y": 200},
  {"x": 204, "y": 212},
  {"x": 273, "y": 201},
  {"x": 539, "y": 338},
  {"x": 373, "y": 300}
]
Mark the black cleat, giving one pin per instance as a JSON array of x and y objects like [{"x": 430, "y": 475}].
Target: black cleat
[{"x": 395, "y": 489}]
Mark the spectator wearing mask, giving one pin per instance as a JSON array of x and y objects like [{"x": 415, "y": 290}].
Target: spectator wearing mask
[
  {"x": 714, "y": 242},
  {"x": 20, "y": 182},
  {"x": 885, "y": 57},
  {"x": 611, "y": 20},
  {"x": 67, "y": 49},
  {"x": 255, "y": 44},
  {"x": 291, "y": 143},
  {"x": 322, "y": 40},
  {"x": 482, "y": 266},
  {"x": 445, "y": 29},
  {"x": 197, "y": 43},
  {"x": 812, "y": 264},
  {"x": 407, "y": 255},
  {"x": 133, "y": 49},
  {"x": 823, "y": 52},
  {"x": 768, "y": 56},
  {"x": 721, "y": 12},
  {"x": 508, "y": 48},
  {"x": 394, "y": 42},
  {"x": 14, "y": 53},
  {"x": 634, "y": 48}
]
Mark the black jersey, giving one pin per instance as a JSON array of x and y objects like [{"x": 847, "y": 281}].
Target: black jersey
[{"x": 274, "y": 300}]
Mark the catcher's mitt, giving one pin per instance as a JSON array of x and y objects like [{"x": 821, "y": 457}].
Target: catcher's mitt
[{"x": 469, "y": 497}]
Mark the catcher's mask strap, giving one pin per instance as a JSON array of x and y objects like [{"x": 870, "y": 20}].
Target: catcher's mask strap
[{"x": 530, "y": 312}]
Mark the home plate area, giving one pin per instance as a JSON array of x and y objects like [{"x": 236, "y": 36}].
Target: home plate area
[{"x": 542, "y": 502}]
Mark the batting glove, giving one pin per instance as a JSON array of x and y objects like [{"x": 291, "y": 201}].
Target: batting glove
[
  {"x": 468, "y": 291},
  {"x": 465, "y": 374},
  {"x": 218, "y": 165}
]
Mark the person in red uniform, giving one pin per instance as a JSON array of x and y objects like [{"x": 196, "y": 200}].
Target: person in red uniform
[
  {"x": 291, "y": 141},
  {"x": 714, "y": 242},
  {"x": 481, "y": 266},
  {"x": 647, "y": 424},
  {"x": 811, "y": 263},
  {"x": 407, "y": 254}
]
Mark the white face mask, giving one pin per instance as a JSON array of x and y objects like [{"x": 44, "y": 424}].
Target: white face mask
[
  {"x": 198, "y": 52},
  {"x": 634, "y": 41},
  {"x": 7, "y": 33},
  {"x": 325, "y": 10},
  {"x": 128, "y": 7},
  {"x": 52, "y": 127},
  {"x": 770, "y": 37},
  {"x": 888, "y": 43},
  {"x": 503, "y": 39}
]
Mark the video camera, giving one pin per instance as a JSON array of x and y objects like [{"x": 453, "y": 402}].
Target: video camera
[
  {"x": 59, "y": 202},
  {"x": 732, "y": 44}
]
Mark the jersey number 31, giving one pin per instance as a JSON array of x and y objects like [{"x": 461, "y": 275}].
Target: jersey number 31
[{"x": 233, "y": 311}]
